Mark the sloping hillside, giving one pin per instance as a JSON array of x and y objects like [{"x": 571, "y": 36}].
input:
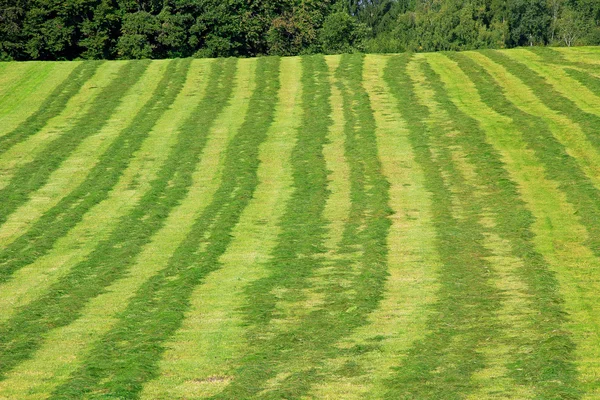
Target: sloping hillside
[{"x": 345, "y": 227}]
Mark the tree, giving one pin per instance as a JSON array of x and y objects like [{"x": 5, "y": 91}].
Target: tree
[
  {"x": 571, "y": 26},
  {"x": 555, "y": 7},
  {"x": 291, "y": 34},
  {"x": 529, "y": 22},
  {"x": 342, "y": 34},
  {"x": 138, "y": 32},
  {"x": 12, "y": 14}
]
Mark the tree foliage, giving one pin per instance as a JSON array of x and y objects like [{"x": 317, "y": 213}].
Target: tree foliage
[{"x": 109, "y": 29}]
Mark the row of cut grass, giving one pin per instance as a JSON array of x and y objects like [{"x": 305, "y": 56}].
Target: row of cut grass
[
  {"x": 338, "y": 203},
  {"x": 568, "y": 132},
  {"x": 53, "y": 104},
  {"x": 99, "y": 316},
  {"x": 25, "y": 331},
  {"x": 539, "y": 312},
  {"x": 285, "y": 363},
  {"x": 442, "y": 364},
  {"x": 57, "y": 221},
  {"x": 201, "y": 356},
  {"x": 300, "y": 240},
  {"x": 73, "y": 171},
  {"x": 412, "y": 261},
  {"x": 157, "y": 309},
  {"x": 102, "y": 218},
  {"x": 560, "y": 166},
  {"x": 18, "y": 102},
  {"x": 34, "y": 174},
  {"x": 525, "y": 142}
]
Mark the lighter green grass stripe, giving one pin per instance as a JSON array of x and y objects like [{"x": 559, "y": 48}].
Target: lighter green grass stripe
[
  {"x": 558, "y": 234},
  {"x": 562, "y": 127},
  {"x": 586, "y": 55},
  {"x": 337, "y": 207},
  {"x": 10, "y": 74},
  {"x": 18, "y": 81},
  {"x": 73, "y": 171},
  {"x": 28, "y": 99},
  {"x": 52, "y": 365},
  {"x": 175, "y": 364},
  {"x": 336, "y": 211},
  {"x": 412, "y": 261},
  {"x": 492, "y": 381},
  {"x": 564, "y": 84},
  {"x": 26, "y": 151},
  {"x": 30, "y": 282},
  {"x": 200, "y": 359}
]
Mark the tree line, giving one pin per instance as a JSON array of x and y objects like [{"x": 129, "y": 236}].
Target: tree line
[{"x": 129, "y": 29}]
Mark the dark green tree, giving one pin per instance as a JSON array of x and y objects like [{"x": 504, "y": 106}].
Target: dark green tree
[{"x": 529, "y": 22}]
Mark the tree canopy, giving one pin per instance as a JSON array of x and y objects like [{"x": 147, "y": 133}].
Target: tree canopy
[{"x": 124, "y": 29}]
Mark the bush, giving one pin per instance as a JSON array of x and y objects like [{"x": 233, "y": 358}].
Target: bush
[{"x": 342, "y": 34}]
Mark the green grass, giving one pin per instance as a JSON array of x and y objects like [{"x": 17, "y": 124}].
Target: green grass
[
  {"x": 356, "y": 226},
  {"x": 54, "y": 104},
  {"x": 157, "y": 309}
]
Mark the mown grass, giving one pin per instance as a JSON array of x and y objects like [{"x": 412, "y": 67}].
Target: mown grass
[
  {"x": 300, "y": 242},
  {"x": 549, "y": 95},
  {"x": 32, "y": 280},
  {"x": 59, "y": 354},
  {"x": 24, "y": 332},
  {"x": 411, "y": 226},
  {"x": 402, "y": 315},
  {"x": 20, "y": 98},
  {"x": 560, "y": 235},
  {"x": 441, "y": 364},
  {"x": 75, "y": 168},
  {"x": 52, "y": 106},
  {"x": 556, "y": 76},
  {"x": 35, "y": 174},
  {"x": 286, "y": 362},
  {"x": 182, "y": 363},
  {"x": 560, "y": 167},
  {"x": 201, "y": 356},
  {"x": 552, "y": 354},
  {"x": 57, "y": 221},
  {"x": 158, "y": 308},
  {"x": 561, "y": 126}
]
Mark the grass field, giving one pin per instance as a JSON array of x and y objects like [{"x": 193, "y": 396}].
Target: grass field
[{"x": 339, "y": 227}]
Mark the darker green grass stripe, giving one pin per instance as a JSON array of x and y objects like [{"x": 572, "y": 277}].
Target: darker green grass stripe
[
  {"x": 552, "y": 56},
  {"x": 56, "y": 222},
  {"x": 584, "y": 77},
  {"x": 23, "y": 334},
  {"x": 440, "y": 365},
  {"x": 54, "y": 104},
  {"x": 559, "y": 165},
  {"x": 300, "y": 247},
  {"x": 548, "y": 364},
  {"x": 35, "y": 174},
  {"x": 589, "y": 123},
  {"x": 127, "y": 357},
  {"x": 355, "y": 284}
]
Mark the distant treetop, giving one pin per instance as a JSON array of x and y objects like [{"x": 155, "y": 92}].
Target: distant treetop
[{"x": 130, "y": 29}]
